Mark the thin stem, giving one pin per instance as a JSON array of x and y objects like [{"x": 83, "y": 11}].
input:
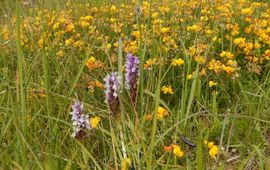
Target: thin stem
[
  {"x": 154, "y": 126},
  {"x": 21, "y": 120}
]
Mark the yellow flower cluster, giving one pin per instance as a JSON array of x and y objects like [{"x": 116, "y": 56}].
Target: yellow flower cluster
[
  {"x": 161, "y": 112},
  {"x": 244, "y": 41},
  {"x": 212, "y": 83},
  {"x": 37, "y": 92},
  {"x": 148, "y": 64},
  {"x": 126, "y": 163},
  {"x": 228, "y": 49},
  {"x": 95, "y": 84},
  {"x": 226, "y": 54},
  {"x": 167, "y": 90},
  {"x": 177, "y": 151},
  {"x": 94, "y": 121},
  {"x": 177, "y": 62},
  {"x": 212, "y": 149},
  {"x": 92, "y": 63}
]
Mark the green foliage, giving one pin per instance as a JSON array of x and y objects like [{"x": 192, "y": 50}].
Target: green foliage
[{"x": 41, "y": 75}]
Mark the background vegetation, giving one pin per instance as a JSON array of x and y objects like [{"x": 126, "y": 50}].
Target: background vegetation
[{"x": 204, "y": 75}]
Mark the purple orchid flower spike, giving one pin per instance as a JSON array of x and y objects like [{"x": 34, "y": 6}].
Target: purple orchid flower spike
[
  {"x": 80, "y": 121},
  {"x": 112, "y": 87},
  {"x": 132, "y": 75}
]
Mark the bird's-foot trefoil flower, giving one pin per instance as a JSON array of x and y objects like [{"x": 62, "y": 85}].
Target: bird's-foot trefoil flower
[
  {"x": 213, "y": 149},
  {"x": 177, "y": 151}
]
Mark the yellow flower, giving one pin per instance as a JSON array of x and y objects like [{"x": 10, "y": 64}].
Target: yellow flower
[
  {"x": 177, "y": 151},
  {"x": 267, "y": 54},
  {"x": 177, "y": 62},
  {"x": 69, "y": 41},
  {"x": 165, "y": 29},
  {"x": 247, "y": 11},
  {"x": 5, "y": 33},
  {"x": 92, "y": 84},
  {"x": 189, "y": 76},
  {"x": 154, "y": 15},
  {"x": 212, "y": 83},
  {"x": 99, "y": 84},
  {"x": 84, "y": 23},
  {"x": 90, "y": 63},
  {"x": 136, "y": 34},
  {"x": 70, "y": 27},
  {"x": 91, "y": 60},
  {"x": 215, "y": 65},
  {"x": 126, "y": 163},
  {"x": 213, "y": 151},
  {"x": 40, "y": 43},
  {"x": 226, "y": 54},
  {"x": 208, "y": 32},
  {"x": 115, "y": 44},
  {"x": 161, "y": 112},
  {"x": 167, "y": 89},
  {"x": 60, "y": 53},
  {"x": 108, "y": 46},
  {"x": 78, "y": 43},
  {"x": 228, "y": 69},
  {"x": 37, "y": 92},
  {"x": 232, "y": 63},
  {"x": 202, "y": 72},
  {"x": 94, "y": 121},
  {"x": 200, "y": 59},
  {"x": 239, "y": 41},
  {"x": 214, "y": 38},
  {"x": 194, "y": 28},
  {"x": 113, "y": 7},
  {"x": 257, "y": 45},
  {"x": 210, "y": 145},
  {"x": 149, "y": 63}
]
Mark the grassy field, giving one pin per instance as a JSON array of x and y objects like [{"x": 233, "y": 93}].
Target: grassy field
[{"x": 135, "y": 84}]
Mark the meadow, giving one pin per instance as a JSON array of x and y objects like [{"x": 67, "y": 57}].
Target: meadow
[{"x": 154, "y": 84}]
